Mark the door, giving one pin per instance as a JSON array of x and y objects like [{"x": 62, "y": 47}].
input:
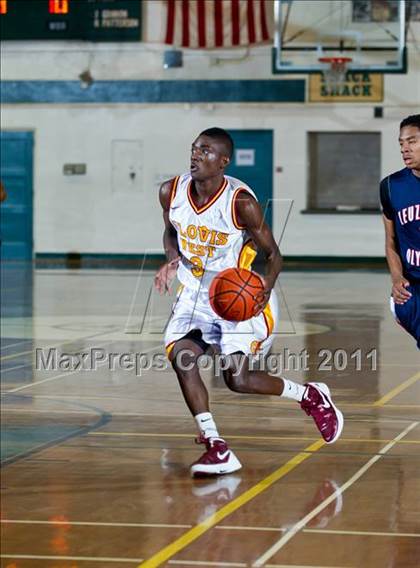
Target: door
[
  {"x": 253, "y": 163},
  {"x": 16, "y": 171}
]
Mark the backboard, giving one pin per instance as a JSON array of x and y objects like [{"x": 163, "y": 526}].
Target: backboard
[{"x": 369, "y": 32}]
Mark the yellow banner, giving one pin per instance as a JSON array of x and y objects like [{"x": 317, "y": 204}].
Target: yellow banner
[{"x": 359, "y": 87}]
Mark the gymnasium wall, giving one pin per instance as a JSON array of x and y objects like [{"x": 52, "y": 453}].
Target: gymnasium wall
[{"x": 86, "y": 214}]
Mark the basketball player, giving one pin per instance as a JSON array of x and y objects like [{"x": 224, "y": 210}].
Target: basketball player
[
  {"x": 400, "y": 199},
  {"x": 213, "y": 222}
]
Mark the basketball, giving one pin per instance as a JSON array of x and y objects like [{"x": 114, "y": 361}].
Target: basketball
[{"x": 233, "y": 293}]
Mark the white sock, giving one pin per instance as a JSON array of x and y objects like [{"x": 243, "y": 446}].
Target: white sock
[
  {"x": 292, "y": 390},
  {"x": 206, "y": 425}
]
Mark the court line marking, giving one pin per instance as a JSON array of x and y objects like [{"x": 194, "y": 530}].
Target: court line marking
[
  {"x": 219, "y": 527},
  {"x": 399, "y": 406},
  {"x": 240, "y": 437},
  {"x": 101, "y": 419},
  {"x": 15, "y": 368},
  {"x": 14, "y": 344},
  {"x": 66, "y": 374},
  {"x": 286, "y": 404},
  {"x": 190, "y": 536},
  {"x": 319, "y": 531},
  {"x": 214, "y": 403},
  {"x": 54, "y": 346},
  {"x": 261, "y": 560},
  {"x": 362, "y": 533},
  {"x": 300, "y": 566},
  {"x": 95, "y": 524},
  {"x": 205, "y": 563},
  {"x": 183, "y": 417},
  {"x": 158, "y": 415},
  {"x": 397, "y": 390},
  {"x": 47, "y": 380},
  {"x": 80, "y": 558},
  {"x": 81, "y": 338},
  {"x": 128, "y": 560},
  {"x": 32, "y": 449},
  {"x": 267, "y": 403},
  {"x": 32, "y": 351},
  {"x": 21, "y": 353}
]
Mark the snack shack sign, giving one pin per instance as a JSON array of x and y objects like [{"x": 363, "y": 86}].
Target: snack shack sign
[{"x": 358, "y": 87}]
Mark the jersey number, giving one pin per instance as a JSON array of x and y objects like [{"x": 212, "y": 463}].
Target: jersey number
[{"x": 197, "y": 269}]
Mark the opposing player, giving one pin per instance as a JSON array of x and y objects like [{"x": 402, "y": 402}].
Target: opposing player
[
  {"x": 400, "y": 199},
  {"x": 213, "y": 222}
]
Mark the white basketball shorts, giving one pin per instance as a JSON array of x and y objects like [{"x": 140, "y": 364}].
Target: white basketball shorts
[{"x": 192, "y": 310}]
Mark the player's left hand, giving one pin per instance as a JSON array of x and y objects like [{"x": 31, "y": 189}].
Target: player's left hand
[{"x": 262, "y": 299}]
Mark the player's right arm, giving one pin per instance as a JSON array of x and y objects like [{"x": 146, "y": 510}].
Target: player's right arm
[
  {"x": 167, "y": 272},
  {"x": 399, "y": 283}
]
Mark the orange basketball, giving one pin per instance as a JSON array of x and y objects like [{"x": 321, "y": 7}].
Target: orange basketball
[{"x": 232, "y": 293}]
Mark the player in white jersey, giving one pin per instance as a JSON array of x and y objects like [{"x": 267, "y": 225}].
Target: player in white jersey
[{"x": 214, "y": 222}]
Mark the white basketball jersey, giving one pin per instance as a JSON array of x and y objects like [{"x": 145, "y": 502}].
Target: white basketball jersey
[{"x": 210, "y": 238}]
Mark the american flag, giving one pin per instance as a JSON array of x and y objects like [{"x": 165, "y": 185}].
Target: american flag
[{"x": 210, "y": 24}]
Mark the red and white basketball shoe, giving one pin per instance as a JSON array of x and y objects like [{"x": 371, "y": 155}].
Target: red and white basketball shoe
[
  {"x": 216, "y": 460},
  {"x": 317, "y": 403}
]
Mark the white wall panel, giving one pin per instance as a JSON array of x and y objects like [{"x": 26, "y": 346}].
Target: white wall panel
[{"x": 83, "y": 214}]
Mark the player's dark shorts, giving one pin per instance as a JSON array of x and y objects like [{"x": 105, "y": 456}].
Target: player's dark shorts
[{"x": 408, "y": 314}]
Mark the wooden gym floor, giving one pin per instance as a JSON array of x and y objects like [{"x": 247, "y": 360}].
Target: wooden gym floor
[{"x": 95, "y": 462}]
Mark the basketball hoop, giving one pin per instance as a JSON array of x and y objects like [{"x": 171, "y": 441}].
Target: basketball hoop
[{"x": 335, "y": 71}]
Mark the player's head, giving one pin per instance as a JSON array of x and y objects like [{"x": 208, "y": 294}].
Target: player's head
[
  {"x": 211, "y": 153},
  {"x": 410, "y": 141}
]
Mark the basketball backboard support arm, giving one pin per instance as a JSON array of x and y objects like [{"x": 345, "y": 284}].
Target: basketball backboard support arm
[{"x": 309, "y": 30}]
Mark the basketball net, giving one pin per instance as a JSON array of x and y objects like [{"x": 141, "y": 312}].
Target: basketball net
[{"x": 335, "y": 71}]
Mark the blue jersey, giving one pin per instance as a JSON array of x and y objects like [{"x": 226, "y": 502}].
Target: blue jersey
[{"x": 400, "y": 199}]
